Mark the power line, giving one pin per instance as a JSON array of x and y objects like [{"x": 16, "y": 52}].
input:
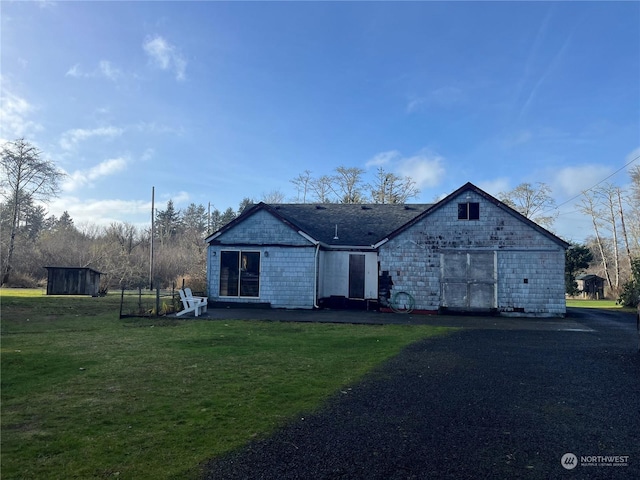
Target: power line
[{"x": 594, "y": 186}]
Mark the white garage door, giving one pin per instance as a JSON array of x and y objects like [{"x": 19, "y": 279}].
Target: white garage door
[{"x": 468, "y": 280}]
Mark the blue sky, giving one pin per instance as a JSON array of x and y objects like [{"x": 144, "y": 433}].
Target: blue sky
[{"x": 216, "y": 101}]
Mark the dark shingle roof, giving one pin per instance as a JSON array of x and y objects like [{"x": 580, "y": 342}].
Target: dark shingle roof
[
  {"x": 356, "y": 224},
  {"x": 364, "y": 225}
]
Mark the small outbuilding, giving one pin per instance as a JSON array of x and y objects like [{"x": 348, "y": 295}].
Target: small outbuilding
[
  {"x": 590, "y": 286},
  {"x": 73, "y": 281}
]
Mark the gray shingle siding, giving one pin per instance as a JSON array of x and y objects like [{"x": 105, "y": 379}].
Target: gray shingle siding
[
  {"x": 261, "y": 228},
  {"x": 414, "y": 258},
  {"x": 286, "y": 272},
  {"x": 500, "y": 261}
]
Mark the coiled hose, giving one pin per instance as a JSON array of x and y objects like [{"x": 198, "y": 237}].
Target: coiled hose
[{"x": 402, "y": 302}]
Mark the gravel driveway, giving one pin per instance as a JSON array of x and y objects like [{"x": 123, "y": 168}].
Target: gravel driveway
[{"x": 483, "y": 402}]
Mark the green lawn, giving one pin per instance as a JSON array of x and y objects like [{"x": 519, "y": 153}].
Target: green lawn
[
  {"x": 87, "y": 395},
  {"x": 592, "y": 303}
]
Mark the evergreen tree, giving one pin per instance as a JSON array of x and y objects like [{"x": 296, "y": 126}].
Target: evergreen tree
[
  {"x": 577, "y": 259},
  {"x": 168, "y": 223},
  {"x": 194, "y": 219}
]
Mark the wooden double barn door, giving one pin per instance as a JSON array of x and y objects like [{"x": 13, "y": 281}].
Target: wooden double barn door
[{"x": 468, "y": 280}]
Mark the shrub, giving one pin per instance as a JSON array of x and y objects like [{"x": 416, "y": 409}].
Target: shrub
[
  {"x": 19, "y": 279},
  {"x": 630, "y": 294}
]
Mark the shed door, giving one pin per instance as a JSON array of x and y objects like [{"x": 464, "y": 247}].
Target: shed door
[
  {"x": 468, "y": 280},
  {"x": 356, "y": 276}
]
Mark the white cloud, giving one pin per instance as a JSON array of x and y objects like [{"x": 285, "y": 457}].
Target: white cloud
[
  {"x": 179, "y": 198},
  {"x": 75, "y": 72},
  {"x": 443, "y": 97},
  {"x": 573, "y": 180},
  {"x": 14, "y": 111},
  {"x": 102, "y": 212},
  {"x": 383, "y": 158},
  {"x": 47, "y": 3},
  {"x": 426, "y": 169},
  {"x": 109, "y": 71},
  {"x": 80, "y": 178},
  {"x": 496, "y": 186},
  {"x": 147, "y": 155},
  {"x": 165, "y": 55},
  {"x": 158, "y": 129},
  {"x": 71, "y": 138},
  {"x": 104, "y": 69}
]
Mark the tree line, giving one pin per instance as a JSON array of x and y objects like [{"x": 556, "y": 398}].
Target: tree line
[{"x": 31, "y": 239}]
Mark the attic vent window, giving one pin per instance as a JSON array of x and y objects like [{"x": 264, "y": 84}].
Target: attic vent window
[
  {"x": 320, "y": 207},
  {"x": 469, "y": 211}
]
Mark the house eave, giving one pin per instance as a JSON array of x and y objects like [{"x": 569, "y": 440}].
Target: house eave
[
  {"x": 361, "y": 248},
  {"x": 380, "y": 243}
]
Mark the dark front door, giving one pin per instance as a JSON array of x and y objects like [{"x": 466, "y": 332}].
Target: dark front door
[{"x": 356, "y": 276}]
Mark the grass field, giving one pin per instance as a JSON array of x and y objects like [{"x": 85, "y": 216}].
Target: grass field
[
  {"x": 87, "y": 395},
  {"x": 593, "y": 304}
]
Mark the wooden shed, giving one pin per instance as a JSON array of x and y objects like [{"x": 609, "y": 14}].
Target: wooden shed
[
  {"x": 73, "y": 281},
  {"x": 591, "y": 286}
]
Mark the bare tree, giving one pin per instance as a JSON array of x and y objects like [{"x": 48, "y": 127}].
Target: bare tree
[
  {"x": 25, "y": 176},
  {"x": 623, "y": 225},
  {"x": 532, "y": 201},
  {"x": 322, "y": 189},
  {"x": 122, "y": 257},
  {"x": 348, "y": 184},
  {"x": 606, "y": 194},
  {"x": 274, "y": 196},
  {"x": 388, "y": 187},
  {"x": 634, "y": 201},
  {"x": 302, "y": 184},
  {"x": 588, "y": 207}
]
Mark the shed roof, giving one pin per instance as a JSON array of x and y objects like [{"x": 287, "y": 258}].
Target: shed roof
[
  {"x": 588, "y": 276},
  {"x": 73, "y": 268}
]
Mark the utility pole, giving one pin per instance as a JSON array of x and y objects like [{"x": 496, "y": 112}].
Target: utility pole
[{"x": 153, "y": 194}]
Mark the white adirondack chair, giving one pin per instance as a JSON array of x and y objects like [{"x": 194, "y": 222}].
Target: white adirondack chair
[{"x": 197, "y": 305}]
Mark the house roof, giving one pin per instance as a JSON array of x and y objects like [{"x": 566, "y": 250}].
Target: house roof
[
  {"x": 364, "y": 224},
  {"x": 348, "y": 224},
  {"x": 355, "y": 224}
]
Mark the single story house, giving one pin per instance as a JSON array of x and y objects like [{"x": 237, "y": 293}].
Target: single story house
[
  {"x": 468, "y": 252},
  {"x": 73, "y": 281}
]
